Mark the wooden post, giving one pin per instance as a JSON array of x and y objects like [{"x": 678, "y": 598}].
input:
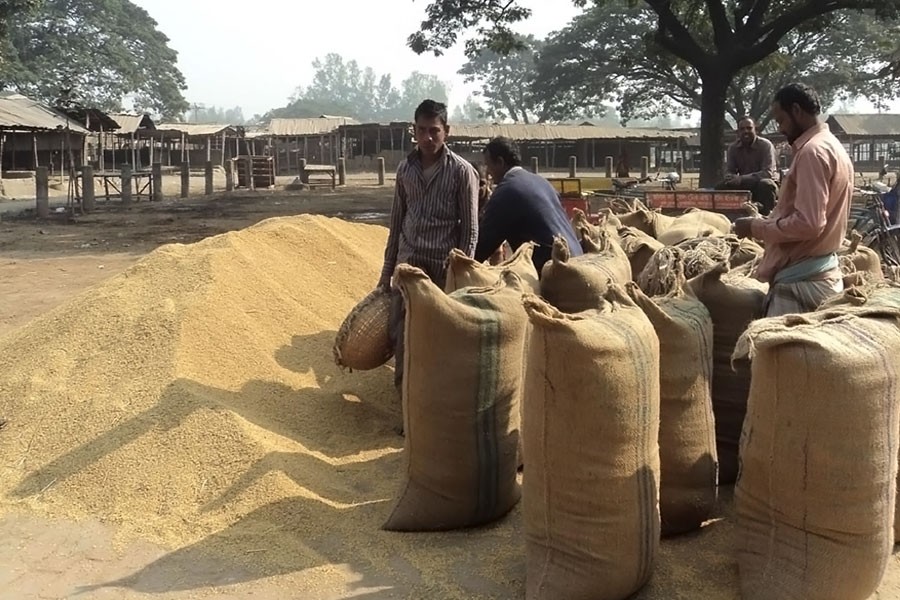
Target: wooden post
[
  {"x": 185, "y": 180},
  {"x": 248, "y": 172},
  {"x": 126, "y": 185},
  {"x": 229, "y": 175},
  {"x": 342, "y": 171},
  {"x": 209, "y": 178},
  {"x": 88, "y": 200},
  {"x": 156, "y": 182},
  {"x": 645, "y": 166},
  {"x": 679, "y": 167},
  {"x": 534, "y": 165},
  {"x": 380, "y": 170},
  {"x": 609, "y": 166},
  {"x": 304, "y": 178},
  {"x": 573, "y": 161},
  {"x": 42, "y": 192}
]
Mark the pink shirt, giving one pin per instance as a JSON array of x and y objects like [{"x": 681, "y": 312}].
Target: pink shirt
[{"x": 810, "y": 219}]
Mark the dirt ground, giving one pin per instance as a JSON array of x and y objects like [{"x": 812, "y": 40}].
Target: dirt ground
[{"x": 42, "y": 264}]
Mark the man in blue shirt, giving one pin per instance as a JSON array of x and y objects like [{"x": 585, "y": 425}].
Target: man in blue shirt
[{"x": 524, "y": 207}]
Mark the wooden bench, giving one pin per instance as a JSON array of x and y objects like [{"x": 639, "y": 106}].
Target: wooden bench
[{"x": 319, "y": 170}]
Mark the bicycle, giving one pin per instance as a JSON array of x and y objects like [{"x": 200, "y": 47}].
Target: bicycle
[{"x": 873, "y": 223}]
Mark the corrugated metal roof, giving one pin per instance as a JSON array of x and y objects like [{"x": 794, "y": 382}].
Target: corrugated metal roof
[
  {"x": 255, "y": 132},
  {"x": 313, "y": 126},
  {"x": 20, "y": 113},
  {"x": 195, "y": 129},
  {"x": 544, "y": 131},
  {"x": 131, "y": 123},
  {"x": 865, "y": 124}
]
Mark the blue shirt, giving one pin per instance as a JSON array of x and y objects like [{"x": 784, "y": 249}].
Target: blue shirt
[{"x": 524, "y": 208}]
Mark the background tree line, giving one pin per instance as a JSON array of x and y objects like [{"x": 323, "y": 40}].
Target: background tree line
[
  {"x": 720, "y": 57},
  {"x": 619, "y": 61}
]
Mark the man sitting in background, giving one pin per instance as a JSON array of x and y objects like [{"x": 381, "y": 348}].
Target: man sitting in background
[
  {"x": 751, "y": 166},
  {"x": 524, "y": 207}
]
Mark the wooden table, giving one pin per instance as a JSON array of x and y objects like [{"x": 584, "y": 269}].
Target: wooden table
[{"x": 326, "y": 170}]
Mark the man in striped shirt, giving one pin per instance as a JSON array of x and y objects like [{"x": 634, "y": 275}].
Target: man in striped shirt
[{"x": 435, "y": 210}]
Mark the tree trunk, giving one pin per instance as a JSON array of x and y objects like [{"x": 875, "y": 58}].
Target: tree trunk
[{"x": 712, "y": 126}]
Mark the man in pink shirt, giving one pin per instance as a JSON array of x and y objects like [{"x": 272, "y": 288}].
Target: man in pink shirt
[{"x": 809, "y": 223}]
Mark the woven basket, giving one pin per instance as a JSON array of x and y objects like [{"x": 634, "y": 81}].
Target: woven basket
[{"x": 363, "y": 342}]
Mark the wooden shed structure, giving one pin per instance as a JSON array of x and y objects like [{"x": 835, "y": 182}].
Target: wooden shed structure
[
  {"x": 363, "y": 143},
  {"x": 316, "y": 139},
  {"x": 33, "y": 134},
  {"x": 552, "y": 144},
  {"x": 126, "y": 146},
  {"x": 173, "y": 144},
  {"x": 871, "y": 140}
]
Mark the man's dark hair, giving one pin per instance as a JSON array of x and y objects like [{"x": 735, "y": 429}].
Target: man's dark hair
[
  {"x": 501, "y": 147},
  {"x": 800, "y": 94},
  {"x": 432, "y": 109},
  {"x": 747, "y": 118}
]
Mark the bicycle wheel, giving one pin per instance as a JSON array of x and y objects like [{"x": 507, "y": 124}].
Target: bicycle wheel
[{"x": 890, "y": 247}]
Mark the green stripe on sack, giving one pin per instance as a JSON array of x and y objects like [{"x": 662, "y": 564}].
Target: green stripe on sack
[
  {"x": 486, "y": 441},
  {"x": 647, "y": 486}
]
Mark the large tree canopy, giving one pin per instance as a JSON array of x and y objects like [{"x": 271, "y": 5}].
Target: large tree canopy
[
  {"x": 100, "y": 52},
  {"x": 344, "y": 88},
  {"x": 715, "y": 39},
  {"x": 609, "y": 53},
  {"x": 506, "y": 82}
]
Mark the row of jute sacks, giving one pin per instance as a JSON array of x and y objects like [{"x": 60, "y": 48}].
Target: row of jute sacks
[{"x": 623, "y": 389}]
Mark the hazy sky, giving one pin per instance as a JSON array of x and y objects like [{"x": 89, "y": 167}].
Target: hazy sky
[{"x": 255, "y": 54}]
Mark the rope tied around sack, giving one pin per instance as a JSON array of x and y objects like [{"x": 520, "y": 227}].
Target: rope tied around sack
[{"x": 664, "y": 274}]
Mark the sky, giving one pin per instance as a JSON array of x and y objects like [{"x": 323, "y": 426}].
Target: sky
[{"x": 255, "y": 54}]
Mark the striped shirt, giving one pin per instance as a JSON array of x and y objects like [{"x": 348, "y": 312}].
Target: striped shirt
[{"x": 432, "y": 215}]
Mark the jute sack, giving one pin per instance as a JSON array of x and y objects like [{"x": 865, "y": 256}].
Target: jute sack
[
  {"x": 638, "y": 246},
  {"x": 591, "y": 483},
  {"x": 461, "y": 393},
  {"x": 588, "y": 233},
  {"x": 463, "y": 271},
  {"x": 816, "y": 495},
  {"x": 694, "y": 224},
  {"x": 576, "y": 284},
  {"x": 651, "y": 222},
  {"x": 856, "y": 258},
  {"x": 687, "y": 431},
  {"x": 363, "y": 342},
  {"x": 717, "y": 221},
  {"x": 733, "y": 302},
  {"x": 743, "y": 251},
  {"x": 862, "y": 299}
]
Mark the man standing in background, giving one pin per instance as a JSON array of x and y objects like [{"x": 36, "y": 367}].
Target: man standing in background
[
  {"x": 751, "y": 166},
  {"x": 806, "y": 229},
  {"x": 435, "y": 210}
]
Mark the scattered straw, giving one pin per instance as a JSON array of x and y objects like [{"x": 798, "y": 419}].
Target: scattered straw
[{"x": 664, "y": 274}]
